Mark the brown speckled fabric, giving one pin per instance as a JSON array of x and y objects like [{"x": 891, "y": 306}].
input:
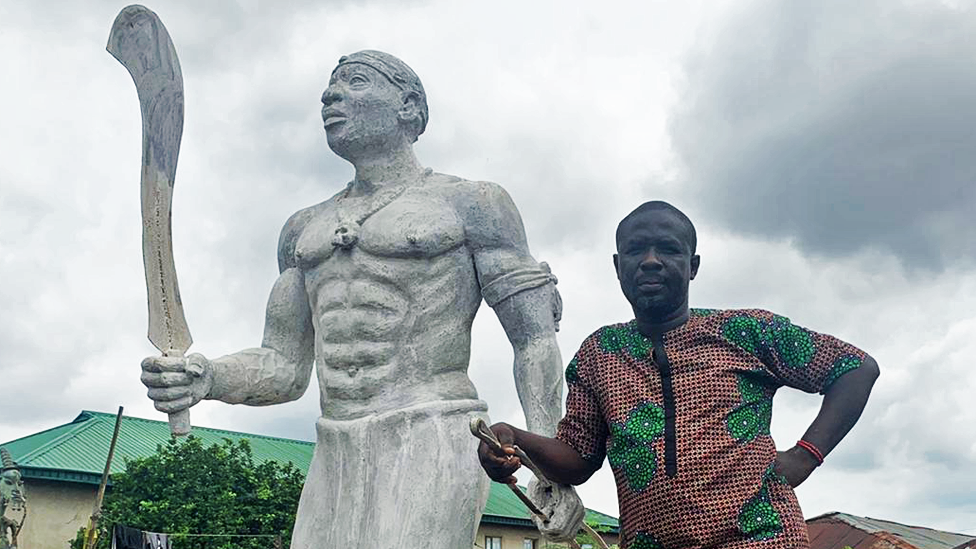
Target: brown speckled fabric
[{"x": 683, "y": 417}]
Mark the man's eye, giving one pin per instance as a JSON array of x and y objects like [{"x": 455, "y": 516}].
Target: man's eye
[{"x": 358, "y": 80}]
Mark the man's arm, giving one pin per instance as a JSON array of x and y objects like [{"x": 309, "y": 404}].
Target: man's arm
[
  {"x": 842, "y": 406},
  {"x": 524, "y": 298},
  {"x": 278, "y": 371},
  {"x": 559, "y": 461}
]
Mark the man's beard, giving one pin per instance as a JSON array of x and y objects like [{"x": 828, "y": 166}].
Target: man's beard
[{"x": 648, "y": 306}]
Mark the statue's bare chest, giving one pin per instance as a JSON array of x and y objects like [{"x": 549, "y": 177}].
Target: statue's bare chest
[{"x": 412, "y": 225}]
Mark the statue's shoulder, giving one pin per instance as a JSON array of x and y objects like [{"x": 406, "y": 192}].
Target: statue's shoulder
[
  {"x": 473, "y": 196},
  {"x": 295, "y": 226}
]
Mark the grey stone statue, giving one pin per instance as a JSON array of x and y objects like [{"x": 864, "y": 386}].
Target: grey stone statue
[
  {"x": 13, "y": 498},
  {"x": 379, "y": 286}
]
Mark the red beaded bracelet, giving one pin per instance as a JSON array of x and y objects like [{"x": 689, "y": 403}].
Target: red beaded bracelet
[{"x": 812, "y": 449}]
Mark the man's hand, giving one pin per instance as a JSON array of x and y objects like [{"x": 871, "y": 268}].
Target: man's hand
[
  {"x": 177, "y": 383},
  {"x": 500, "y": 466},
  {"x": 795, "y": 465}
]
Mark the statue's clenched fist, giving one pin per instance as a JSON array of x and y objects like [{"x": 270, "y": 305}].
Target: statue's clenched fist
[{"x": 176, "y": 383}]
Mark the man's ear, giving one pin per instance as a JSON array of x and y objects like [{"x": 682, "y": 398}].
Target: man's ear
[
  {"x": 695, "y": 263},
  {"x": 616, "y": 266}
]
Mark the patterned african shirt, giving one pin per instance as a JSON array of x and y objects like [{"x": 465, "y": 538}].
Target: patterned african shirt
[{"x": 683, "y": 418}]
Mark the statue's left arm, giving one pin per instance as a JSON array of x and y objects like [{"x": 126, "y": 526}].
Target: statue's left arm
[{"x": 523, "y": 294}]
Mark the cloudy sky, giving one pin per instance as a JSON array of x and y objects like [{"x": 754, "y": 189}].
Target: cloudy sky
[{"x": 823, "y": 148}]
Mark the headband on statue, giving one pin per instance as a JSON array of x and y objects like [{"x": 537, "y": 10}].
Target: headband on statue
[{"x": 395, "y": 70}]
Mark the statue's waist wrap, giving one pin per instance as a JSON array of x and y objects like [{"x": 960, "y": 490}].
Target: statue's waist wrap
[{"x": 390, "y": 479}]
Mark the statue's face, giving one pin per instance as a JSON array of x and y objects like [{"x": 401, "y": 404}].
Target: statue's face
[
  {"x": 12, "y": 487},
  {"x": 360, "y": 111}
]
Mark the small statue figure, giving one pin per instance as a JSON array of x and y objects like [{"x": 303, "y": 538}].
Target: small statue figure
[{"x": 12, "y": 496}]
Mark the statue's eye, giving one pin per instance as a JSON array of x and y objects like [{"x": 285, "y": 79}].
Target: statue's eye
[{"x": 358, "y": 80}]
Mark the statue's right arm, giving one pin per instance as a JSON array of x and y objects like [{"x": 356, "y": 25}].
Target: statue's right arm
[{"x": 277, "y": 371}]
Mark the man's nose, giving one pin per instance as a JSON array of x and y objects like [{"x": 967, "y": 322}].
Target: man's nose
[{"x": 650, "y": 260}]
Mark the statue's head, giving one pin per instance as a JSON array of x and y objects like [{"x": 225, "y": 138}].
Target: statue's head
[
  {"x": 11, "y": 484},
  {"x": 374, "y": 103}
]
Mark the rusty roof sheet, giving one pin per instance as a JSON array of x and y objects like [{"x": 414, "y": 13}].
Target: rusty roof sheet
[{"x": 879, "y": 533}]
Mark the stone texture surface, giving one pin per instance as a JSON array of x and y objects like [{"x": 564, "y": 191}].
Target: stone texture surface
[
  {"x": 378, "y": 288},
  {"x": 140, "y": 42}
]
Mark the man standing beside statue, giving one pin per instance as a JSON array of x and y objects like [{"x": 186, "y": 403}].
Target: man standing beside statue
[
  {"x": 680, "y": 400},
  {"x": 378, "y": 288}
]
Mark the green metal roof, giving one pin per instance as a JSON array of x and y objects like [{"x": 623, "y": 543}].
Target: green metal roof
[
  {"x": 76, "y": 452},
  {"x": 504, "y": 507}
]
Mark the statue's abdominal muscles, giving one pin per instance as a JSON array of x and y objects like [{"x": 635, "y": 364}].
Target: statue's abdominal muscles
[{"x": 392, "y": 314}]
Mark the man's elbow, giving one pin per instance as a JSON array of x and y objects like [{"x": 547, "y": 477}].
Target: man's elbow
[
  {"x": 870, "y": 368},
  {"x": 577, "y": 476}
]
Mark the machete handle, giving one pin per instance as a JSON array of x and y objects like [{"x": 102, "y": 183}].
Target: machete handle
[{"x": 179, "y": 422}]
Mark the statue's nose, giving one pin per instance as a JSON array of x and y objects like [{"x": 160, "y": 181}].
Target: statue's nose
[{"x": 330, "y": 96}]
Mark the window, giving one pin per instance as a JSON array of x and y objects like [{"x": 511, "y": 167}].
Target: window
[
  {"x": 493, "y": 543},
  {"x": 528, "y": 543}
]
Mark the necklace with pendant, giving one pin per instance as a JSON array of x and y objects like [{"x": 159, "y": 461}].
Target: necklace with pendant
[{"x": 351, "y": 221}]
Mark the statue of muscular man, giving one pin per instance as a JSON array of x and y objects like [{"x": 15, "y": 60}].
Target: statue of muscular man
[{"x": 379, "y": 286}]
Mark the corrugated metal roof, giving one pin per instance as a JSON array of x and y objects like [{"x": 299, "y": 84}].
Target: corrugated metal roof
[
  {"x": 82, "y": 445},
  {"x": 77, "y": 451},
  {"x": 504, "y": 507},
  {"x": 918, "y": 536}
]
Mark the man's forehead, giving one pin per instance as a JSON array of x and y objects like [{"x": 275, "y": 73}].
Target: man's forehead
[
  {"x": 659, "y": 223},
  {"x": 652, "y": 219}
]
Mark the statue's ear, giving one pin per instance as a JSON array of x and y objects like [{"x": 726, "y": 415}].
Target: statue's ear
[{"x": 410, "y": 108}]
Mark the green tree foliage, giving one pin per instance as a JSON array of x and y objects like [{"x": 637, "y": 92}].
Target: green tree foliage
[
  {"x": 584, "y": 539},
  {"x": 189, "y": 488}
]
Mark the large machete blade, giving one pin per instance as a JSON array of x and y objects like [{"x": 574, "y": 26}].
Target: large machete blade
[{"x": 141, "y": 43}]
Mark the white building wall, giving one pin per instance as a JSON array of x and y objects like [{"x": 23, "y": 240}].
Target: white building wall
[{"x": 55, "y": 512}]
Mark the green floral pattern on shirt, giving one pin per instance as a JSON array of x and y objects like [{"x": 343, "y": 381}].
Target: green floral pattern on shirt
[
  {"x": 643, "y": 540},
  {"x": 630, "y": 444},
  {"x": 746, "y": 332},
  {"x": 841, "y": 366},
  {"x": 758, "y": 519},
  {"x": 752, "y": 417},
  {"x": 625, "y": 338},
  {"x": 572, "y": 372},
  {"x": 792, "y": 344}
]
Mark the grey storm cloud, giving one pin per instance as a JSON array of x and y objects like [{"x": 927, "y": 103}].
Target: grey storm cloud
[{"x": 839, "y": 126}]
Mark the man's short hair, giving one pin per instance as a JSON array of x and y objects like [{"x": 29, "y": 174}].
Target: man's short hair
[
  {"x": 399, "y": 74},
  {"x": 658, "y": 205}
]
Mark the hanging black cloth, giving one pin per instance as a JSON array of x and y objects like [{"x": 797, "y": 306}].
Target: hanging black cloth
[{"x": 124, "y": 537}]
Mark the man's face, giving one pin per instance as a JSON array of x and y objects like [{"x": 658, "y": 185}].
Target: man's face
[
  {"x": 654, "y": 263},
  {"x": 359, "y": 110}
]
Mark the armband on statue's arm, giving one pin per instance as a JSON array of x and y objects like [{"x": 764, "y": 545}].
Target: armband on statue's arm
[{"x": 519, "y": 280}]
